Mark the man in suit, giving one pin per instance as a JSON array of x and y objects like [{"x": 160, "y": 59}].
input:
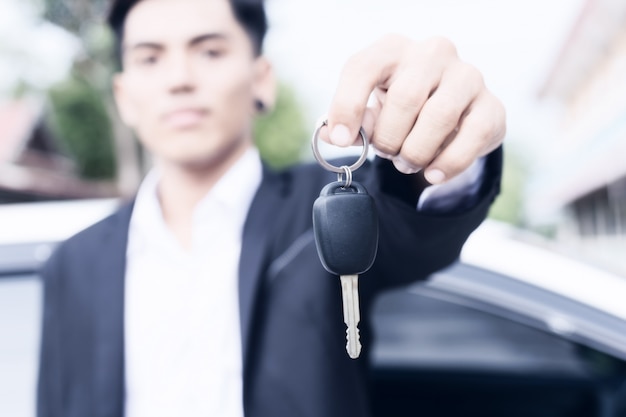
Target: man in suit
[{"x": 205, "y": 296}]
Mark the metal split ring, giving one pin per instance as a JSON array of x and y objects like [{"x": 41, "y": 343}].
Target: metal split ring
[
  {"x": 348, "y": 173},
  {"x": 347, "y": 170}
]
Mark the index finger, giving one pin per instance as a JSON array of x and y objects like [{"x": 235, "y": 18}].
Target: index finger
[{"x": 362, "y": 73}]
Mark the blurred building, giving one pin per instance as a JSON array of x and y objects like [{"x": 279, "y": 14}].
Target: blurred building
[
  {"x": 32, "y": 167},
  {"x": 585, "y": 177}
]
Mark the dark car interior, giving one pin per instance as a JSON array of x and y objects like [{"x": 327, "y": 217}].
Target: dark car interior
[{"x": 435, "y": 358}]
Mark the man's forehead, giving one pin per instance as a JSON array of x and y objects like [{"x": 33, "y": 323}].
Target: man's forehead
[{"x": 178, "y": 20}]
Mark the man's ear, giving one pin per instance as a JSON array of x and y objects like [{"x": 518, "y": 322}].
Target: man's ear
[
  {"x": 123, "y": 102},
  {"x": 264, "y": 87}
]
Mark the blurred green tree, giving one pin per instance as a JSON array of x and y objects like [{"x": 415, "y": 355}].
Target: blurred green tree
[
  {"x": 79, "y": 119},
  {"x": 78, "y": 115},
  {"x": 281, "y": 135},
  {"x": 85, "y": 19}
]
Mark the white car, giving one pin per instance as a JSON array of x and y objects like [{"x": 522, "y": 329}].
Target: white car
[
  {"x": 510, "y": 330},
  {"x": 28, "y": 234}
]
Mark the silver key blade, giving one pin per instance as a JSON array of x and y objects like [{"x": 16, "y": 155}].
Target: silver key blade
[{"x": 351, "y": 314}]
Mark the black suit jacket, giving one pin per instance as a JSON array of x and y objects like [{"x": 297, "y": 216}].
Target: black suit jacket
[{"x": 294, "y": 358}]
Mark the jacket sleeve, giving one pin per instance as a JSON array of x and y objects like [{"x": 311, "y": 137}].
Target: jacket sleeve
[{"x": 414, "y": 244}]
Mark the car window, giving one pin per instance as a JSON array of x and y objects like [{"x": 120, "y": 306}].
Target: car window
[
  {"x": 539, "y": 307},
  {"x": 444, "y": 357},
  {"x": 23, "y": 258}
]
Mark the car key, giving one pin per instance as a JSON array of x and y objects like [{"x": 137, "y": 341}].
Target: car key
[{"x": 345, "y": 224}]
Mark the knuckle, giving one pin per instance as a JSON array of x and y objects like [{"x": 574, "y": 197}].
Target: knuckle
[
  {"x": 483, "y": 129},
  {"x": 354, "y": 61},
  {"x": 357, "y": 62},
  {"x": 486, "y": 131},
  {"x": 442, "y": 113},
  {"x": 500, "y": 119},
  {"x": 390, "y": 38},
  {"x": 471, "y": 74},
  {"x": 440, "y": 44},
  {"x": 455, "y": 162},
  {"x": 495, "y": 130},
  {"x": 405, "y": 99},
  {"x": 394, "y": 41},
  {"x": 496, "y": 126}
]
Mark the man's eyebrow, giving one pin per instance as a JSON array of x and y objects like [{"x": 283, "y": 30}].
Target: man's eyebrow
[
  {"x": 207, "y": 37},
  {"x": 143, "y": 45},
  {"x": 193, "y": 42}
]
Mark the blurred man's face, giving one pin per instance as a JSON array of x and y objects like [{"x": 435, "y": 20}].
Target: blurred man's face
[{"x": 189, "y": 81}]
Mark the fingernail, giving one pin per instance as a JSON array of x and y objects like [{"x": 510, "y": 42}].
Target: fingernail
[
  {"x": 403, "y": 166},
  {"x": 340, "y": 136},
  {"x": 435, "y": 176}
]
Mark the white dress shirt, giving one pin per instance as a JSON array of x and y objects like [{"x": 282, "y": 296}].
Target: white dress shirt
[{"x": 182, "y": 331}]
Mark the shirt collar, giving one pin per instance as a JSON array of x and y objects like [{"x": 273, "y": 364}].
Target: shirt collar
[{"x": 233, "y": 194}]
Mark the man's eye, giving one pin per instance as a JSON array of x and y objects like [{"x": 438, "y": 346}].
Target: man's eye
[
  {"x": 147, "y": 60},
  {"x": 213, "y": 53}
]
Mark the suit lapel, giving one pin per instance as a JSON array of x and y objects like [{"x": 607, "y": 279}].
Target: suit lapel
[
  {"x": 108, "y": 280},
  {"x": 259, "y": 226}
]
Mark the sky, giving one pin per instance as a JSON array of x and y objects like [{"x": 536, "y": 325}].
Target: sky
[{"x": 514, "y": 43}]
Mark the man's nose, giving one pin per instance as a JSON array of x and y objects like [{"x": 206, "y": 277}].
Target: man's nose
[{"x": 180, "y": 75}]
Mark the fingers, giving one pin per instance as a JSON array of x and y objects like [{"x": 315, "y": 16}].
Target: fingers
[
  {"x": 439, "y": 117},
  {"x": 427, "y": 109},
  {"x": 481, "y": 131},
  {"x": 413, "y": 81},
  {"x": 360, "y": 76}
]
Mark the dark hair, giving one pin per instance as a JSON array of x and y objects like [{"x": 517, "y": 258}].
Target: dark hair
[{"x": 249, "y": 13}]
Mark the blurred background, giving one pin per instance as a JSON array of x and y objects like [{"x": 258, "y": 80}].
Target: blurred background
[{"x": 557, "y": 65}]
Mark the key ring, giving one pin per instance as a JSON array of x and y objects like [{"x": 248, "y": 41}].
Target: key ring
[{"x": 347, "y": 170}]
